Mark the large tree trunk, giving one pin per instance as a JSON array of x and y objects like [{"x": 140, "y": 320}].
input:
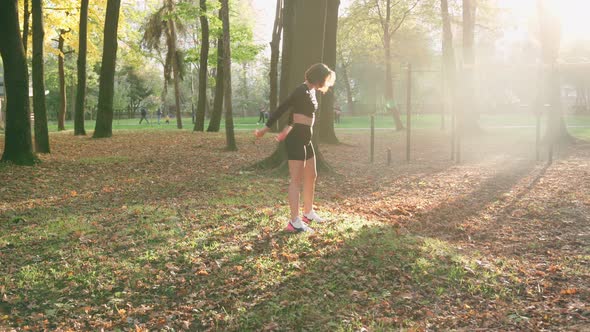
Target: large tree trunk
[
  {"x": 325, "y": 124},
  {"x": 304, "y": 37},
  {"x": 229, "y": 119},
  {"x": 81, "y": 89},
  {"x": 18, "y": 144},
  {"x": 202, "y": 102},
  {"x": 39, "y": 108},
  {"x": 61, "y": 116},
  {"x": 274, "y": 56},
  {"x": 219, "y": 87},
  {"x": 106, "y": 90}
]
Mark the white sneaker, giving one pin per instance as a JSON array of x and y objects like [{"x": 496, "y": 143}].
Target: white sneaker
[
  {"x": 312, "y": 217},
  {"x": 298, "y": 226}
]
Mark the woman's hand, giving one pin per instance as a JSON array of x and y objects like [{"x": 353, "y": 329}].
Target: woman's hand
[
  {"x": 260, "y": 132},
  {"x": 283, "y": 134}
]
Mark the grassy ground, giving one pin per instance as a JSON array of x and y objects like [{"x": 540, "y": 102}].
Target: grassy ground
[
  {"x": 163, "y": 230},
  {"x": 381, "y": 121}
]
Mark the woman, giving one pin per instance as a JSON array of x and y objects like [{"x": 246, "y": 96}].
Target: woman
[{"x": 302, "y": 105}]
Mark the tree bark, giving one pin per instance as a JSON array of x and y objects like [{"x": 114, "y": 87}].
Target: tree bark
[
  {"x": 389, "y": 101},
  {"x": 215, "y": 120},
  {"x": 18, "y": 144},
  {"x": 61, "y": 116},
  {"x": 172, "y": 48},
  {"x": 347, "y": 87},
  {"x": 26, "y": 15},
  {"x": 106, "y": 90},
  {"x": 303, "y": 40},
  {"x": 202, "y": 102},
  {"x": 325, "y": 124},
  {"x": 229, "y": 120},
  {"x": 467, "y": 118},
  {"x": 81, "y": 89},
  {"x": 550, "y": 37},
  {"x": 274, "y": 56},
  {"x": 448, "y": 52},
  {"x": 39, "y": 107}
]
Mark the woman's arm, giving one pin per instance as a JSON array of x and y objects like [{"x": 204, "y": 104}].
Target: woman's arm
[{"x": 283, "y": 107}]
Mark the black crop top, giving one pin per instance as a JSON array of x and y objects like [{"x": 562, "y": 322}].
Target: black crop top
[{"x": 301, "y": 101}]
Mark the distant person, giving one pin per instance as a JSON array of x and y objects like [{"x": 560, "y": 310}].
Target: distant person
[
  {"x": 301, "y": 105},
  {"x": 167, "y": 118},
  {"x": 143, "y": 115},
  {"x": 337, "y": 112},
  {"x": 262, "y": 115},
  {"x": 159, "y": 114}
]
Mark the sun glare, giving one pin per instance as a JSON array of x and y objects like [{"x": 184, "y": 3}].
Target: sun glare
[
  {"x": 575, "y": 24},
  {"x": 574, "y": 18}
]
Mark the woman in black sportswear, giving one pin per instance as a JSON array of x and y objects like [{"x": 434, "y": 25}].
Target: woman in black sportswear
[{"x": 301, "y": 105}]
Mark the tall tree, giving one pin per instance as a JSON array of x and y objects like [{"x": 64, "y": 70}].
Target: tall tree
[
  {"x": 204, "y": 55},
  {"x": 229, "y": 122},
  {"x": 550, "y": 37},
  {"x": 274, "y": 56},
  {"x": 26, "y": 16},
  {"x": 39, "y": 108},
  {"x": 448, "y": 53},
  {"x": 81, "y": 89},
  {"x": 215, "y": 120},
  {"x": 344, "y": 50},
  {"x": 467, "y": 119},
  {"x": 18, "y": 144},
  {"x": 390, "y": 25},
  {"x": 106, "y": 91},
  {"x": 304, "y": 35},
  {"x": 163, "y": 23},
  {"x": 61, "y": 117},
  {"x": 326, "y": 116}
]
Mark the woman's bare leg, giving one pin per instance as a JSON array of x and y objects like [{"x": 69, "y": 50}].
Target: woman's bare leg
[
  {"x": 296, "y": 174},
  {"x": 309, "y": 176}
]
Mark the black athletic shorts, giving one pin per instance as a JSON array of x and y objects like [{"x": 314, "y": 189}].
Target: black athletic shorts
[{"x": 298, "y": 143}]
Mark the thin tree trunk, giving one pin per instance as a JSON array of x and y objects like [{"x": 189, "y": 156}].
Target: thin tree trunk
[
  {"x": 61, "y": 117},
  {"x": 389, "y": 95},
  {"x": 175, "y": 65},
  {"x": 193, "y": 114},
  {"x": 202, "y": 102},
  {"x": 449, "y": 66},
  {"x": 326, "y": 116},
  {"x": 467, "y": 118},
  {"x": 39, "y": 108},
  {"x": 26, "y": 15},
  {"x": 81, "y": 89},
  {"x": 18, "y": 144},
  {"x": 274, "y": 56},
  {"x": 106, "y": 91},
  {"x": 229, "y": 120},
  {"x": 245, "y": 85},
  {"x": 550, "y": 37},
  {"x": 219, "y": 87},
  {"x": 347, "y": 87}
]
